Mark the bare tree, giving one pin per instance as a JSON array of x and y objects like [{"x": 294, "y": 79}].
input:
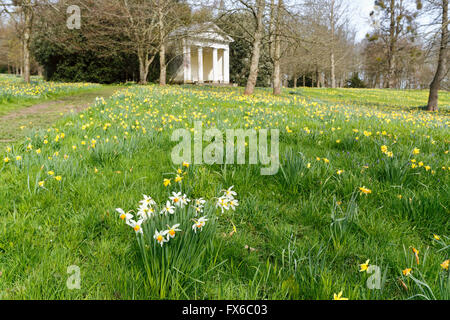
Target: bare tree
[
  {"x": 257, "y": 9},
  {"x": 170, "y": 16},
  {"x": 23, "y": 10},
  {"x": 276, "y": 17},
  {"x": 442, "y": 60}
]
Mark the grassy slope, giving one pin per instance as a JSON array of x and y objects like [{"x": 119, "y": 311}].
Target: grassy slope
[
  {"x": 19, "y": 118},
  {"x": 284, "y": 217}
]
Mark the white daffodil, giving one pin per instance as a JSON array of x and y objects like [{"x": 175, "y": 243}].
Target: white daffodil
[
  {"x": 199, "y": 224},
  {"x": 146, "y": 212},
  {"x": 172, "y": 231},
  {"x": 198, "y": 210},
  {"x": 160, "y": 237},
  {"x": 199, "y": 202},
  {"x": 136, "y": 225},
  {"x": 148, "y": 201},
  {"x": 123, "y": 215},
  {"x": 223, "y": 203},
  {"x": 168, "y": 208},
  {"x": 176, "y": 199},
  {"x": 199, "y": 205},
  {"x": 233, "y": 204},
  {"x": 229, "y": 193},
  {"x": 184, "y": 201}
]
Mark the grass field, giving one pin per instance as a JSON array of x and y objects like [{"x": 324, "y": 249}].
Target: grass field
[
  {"x": 15, "y": 94},
  {"x": 364, "y": 184}
]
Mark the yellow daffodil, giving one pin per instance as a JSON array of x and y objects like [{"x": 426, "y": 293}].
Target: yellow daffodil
[
  {"x": 167, "y": 182},
  {"x": 339, "y": 296},
  {"x": 364, "y": 266},
  {"x": 407, "y": 272},
  {"x": 445, "y": 264},
  {"x": 365, "y": 190}
]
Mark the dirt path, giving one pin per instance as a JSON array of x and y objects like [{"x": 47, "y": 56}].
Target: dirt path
[{"x": 13, "y": 125}]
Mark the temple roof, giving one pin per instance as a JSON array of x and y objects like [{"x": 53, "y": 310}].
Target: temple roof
[{"x": 204, "y": 31}]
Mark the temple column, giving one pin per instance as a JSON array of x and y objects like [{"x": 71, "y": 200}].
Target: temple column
[
  {"x": 226, "y": 66},
  {"x": 200, "y": 65},
  {"x": 215, "y": 66},
  {"x": 187, "y": 63}
]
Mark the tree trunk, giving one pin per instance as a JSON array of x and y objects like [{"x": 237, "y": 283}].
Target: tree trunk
[
  {"x": 304, "y": 81},
  {"x": 295, "y": 81},
  {"x": 277, "y": 51},
  {"x": 317, "y": 78},
  {"x": 162, "y": 48},
  {"x": 144, "y": 64},
  {"x": 333, "y": 71},
  {"x": 392, "y": 40},
  {"x": 162, "y": 65},
  {"x": 256, "y": 51},
  {"x": 442, "y": 61},
  {"x": 28, "y": 21},
  {"x": 332, "y": 60},
  {"x": 277, "y": 68}
]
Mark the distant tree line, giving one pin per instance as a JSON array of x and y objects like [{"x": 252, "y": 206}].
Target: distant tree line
[{"x": 277, "y": 42}]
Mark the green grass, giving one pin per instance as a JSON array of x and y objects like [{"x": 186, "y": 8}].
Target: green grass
[
  {"x": 16, "y": 117},
  {"x": 300, "y": 234},
  {"x": 393, "y": 99}
]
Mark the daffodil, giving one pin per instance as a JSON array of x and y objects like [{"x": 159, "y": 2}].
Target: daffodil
[
  {"x": 199, "y": 205},
  {"x": 137, "y": 226},
  {"x": 145, "y": 212},
  {"x": 223, "y": 203},
  {"x": 364, "y": 266},
  {"x": 148, "y": 201},
  {"x": 160, "y": 237},
  {"x": 184, "y": 201},
  {"x": 445, "y": 264},
  {"x": 176, "y": 198},
  {"x": 339, "y": 296},
  {"x": 365, "y": 190},
  {"x": 407, "y": 272},
  {"x": 167, "y": 182},
  {"x": 171, "y": 231},
  {"x": 124, "y": 216},
  {"x": 199, "y": 224},
  {"x": 229, "y": 193},
  {"x": 168, "y": 208}
]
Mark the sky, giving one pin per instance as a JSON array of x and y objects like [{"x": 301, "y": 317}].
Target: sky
[{"x": 362, "y": 9}]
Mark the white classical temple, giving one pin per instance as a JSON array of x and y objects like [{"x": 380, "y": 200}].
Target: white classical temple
[{"x": 206, "y": 54}]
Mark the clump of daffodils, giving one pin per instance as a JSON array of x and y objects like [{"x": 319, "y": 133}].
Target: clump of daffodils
[
  {"x": 385, "y": 150},
  {"x": 173, "y": 216},
  {"x": 227, "y": 201}
]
